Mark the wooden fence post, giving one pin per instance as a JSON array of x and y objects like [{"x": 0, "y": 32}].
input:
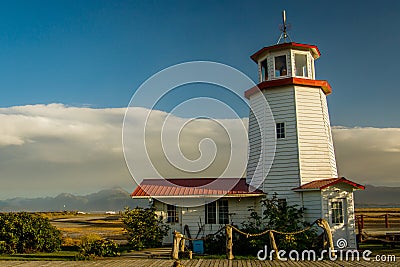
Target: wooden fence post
[
  {"x": 386, "y": 220},
  {"x": 229, "y": 242},
  {"x": 182, "y": 245},
  {"x": 325, "y": 225},
  {"x": 175, "y": 249},
  {"x": 362, "y": 221},
  {"x": 273, "y": 244}
]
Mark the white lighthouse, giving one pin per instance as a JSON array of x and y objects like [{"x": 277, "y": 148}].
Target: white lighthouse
[{"x": 303, "y": 171}]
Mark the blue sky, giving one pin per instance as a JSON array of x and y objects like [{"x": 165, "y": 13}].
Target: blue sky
[{"x": 98, "y": 52}]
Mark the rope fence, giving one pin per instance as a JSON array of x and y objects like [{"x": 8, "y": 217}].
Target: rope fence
[{"x": 179, "y": 239}]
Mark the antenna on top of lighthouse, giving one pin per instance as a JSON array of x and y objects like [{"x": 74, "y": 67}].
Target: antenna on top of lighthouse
[{"x": 284, "y": 29}]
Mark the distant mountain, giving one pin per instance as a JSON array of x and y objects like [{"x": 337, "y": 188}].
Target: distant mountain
[
  {"x": 377, "y": 196},
  {"x": 111, "y": 199},
  {"x": 117, "y": 199}
]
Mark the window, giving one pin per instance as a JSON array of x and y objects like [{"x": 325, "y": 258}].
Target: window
[
  {"x": 222, "y": 217},
  {"x": 211, "y": 213},
  {"x": 172, "y": 214},
  {"x": 337, "y": 212},
  {"x": 280, "y": 66},
  {"x": 264, "y": 70},
  {"x": 300, "y": 65},
  {"x": 223, "y": 212},
  {"x": 280, "y": 130}
]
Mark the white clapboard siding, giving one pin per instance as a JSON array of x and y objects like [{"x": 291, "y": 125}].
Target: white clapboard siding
[
  {"x": 284, "y": 173},
  {"x": 342, "y": 191},
  {"x": 316, "y": 153},
  {"x": 312, "y": 204},
  {"x": 195, "y": 217}
]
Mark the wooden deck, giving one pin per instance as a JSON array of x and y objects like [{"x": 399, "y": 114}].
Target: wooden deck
[{"x": 191, "y": 263}]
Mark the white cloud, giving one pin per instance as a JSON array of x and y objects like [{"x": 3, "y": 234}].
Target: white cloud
[
  {"x": 48, "y": 149},
  {"x": 368, "y": 155}
]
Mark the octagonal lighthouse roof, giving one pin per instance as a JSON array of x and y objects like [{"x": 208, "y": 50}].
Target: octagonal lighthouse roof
[
  {"x": 301, "y": 47},
  {"x": 287, "y": 64}
]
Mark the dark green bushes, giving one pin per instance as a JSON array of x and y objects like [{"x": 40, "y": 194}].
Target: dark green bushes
[
  {"x": 26, "y": 233},
  {"x": 145, "y": 229},
  {"x": 94, "y": 246}
]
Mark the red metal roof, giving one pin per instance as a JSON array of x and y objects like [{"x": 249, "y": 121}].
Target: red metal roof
[
  {"x": 194, "y": 187},
  {"x": 314, "y": 49},
  {"x": 321, "y": 184},
  {"x": 324, "y": 85}
]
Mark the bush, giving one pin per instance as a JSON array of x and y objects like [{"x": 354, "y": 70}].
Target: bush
[
  {"x": 145, "y": 229},
  {"x": 276, "y": 216},
  {"x": 27, "y": 232},
  {"x": 93, "y": 245}
]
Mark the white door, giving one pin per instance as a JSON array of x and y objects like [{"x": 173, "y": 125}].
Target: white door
[{"x": 338, "y": 221}]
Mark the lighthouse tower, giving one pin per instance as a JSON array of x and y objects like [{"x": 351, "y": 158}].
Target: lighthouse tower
[{"x": 303, "y": 171}]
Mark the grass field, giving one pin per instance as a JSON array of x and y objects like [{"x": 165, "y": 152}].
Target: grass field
[{"x": 75, "y": 226}]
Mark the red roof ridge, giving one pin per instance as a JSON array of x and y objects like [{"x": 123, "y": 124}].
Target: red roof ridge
[
  {"x": 194, "y": 186},
  {"x": 324, "y": 183}
]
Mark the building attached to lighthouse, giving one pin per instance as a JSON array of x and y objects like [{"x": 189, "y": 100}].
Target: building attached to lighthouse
[{"x": 303, "y": 171}]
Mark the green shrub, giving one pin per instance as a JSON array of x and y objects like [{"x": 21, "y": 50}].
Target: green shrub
[
  {"x": 276, "y": 215},
  {"x": 93, "y": 245},
  {"x": 145, "y": 229},
  {"x": 27, "y": 232}
]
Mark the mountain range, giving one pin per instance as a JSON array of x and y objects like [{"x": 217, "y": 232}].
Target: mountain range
[
  {"x": 117, "y": 199},
  {"x": 377, "y": 196}
]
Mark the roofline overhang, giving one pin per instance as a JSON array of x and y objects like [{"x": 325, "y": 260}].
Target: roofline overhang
[
  {"x": 322, "y": 84},
  {"x": 204, "y": 196}
]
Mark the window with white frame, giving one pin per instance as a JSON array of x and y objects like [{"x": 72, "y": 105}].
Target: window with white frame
[
  {"x": 217, "y": 211},
  {"x": 280, "y": 130},
  {"x": 172, "y": 215},
  {"x": 300, "y": 65},
  {"x": 211, "y": 213},
  {"x": 280, "y": 66},
  {"x": 223, "y": 211},
  {"x": 337, "y": 212}
]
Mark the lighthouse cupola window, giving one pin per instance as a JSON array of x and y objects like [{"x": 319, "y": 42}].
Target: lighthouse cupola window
[
  {"x": 280, "y": 66},
  {"x": 300, "y": 65},
  {"x": 264, "y": 70}
]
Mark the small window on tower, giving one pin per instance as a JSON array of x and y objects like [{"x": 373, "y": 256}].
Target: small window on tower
[
  {"x": 280, "y": 66},
  {"x": 264, "y": 70},
  {"x": 280, "y": 130},
  {"x": 300, "y": 64}
]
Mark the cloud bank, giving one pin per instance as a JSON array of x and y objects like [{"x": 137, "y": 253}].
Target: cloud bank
[{"x": 49, "y": 149}]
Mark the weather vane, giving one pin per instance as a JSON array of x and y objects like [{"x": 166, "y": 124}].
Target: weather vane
[{"x": 284, "y": 29}]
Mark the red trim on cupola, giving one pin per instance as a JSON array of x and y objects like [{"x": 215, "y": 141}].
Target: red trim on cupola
[
  {"x": 314, "y": 49},
  {"x": 324, "y": 85}
]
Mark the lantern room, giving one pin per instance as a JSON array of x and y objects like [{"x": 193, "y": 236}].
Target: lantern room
[{"x": 286, "y": 60}]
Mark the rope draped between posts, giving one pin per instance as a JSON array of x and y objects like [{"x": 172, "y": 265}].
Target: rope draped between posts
[
  {"x": 179, "y": 239},
  {"x": 274, "y": 231}
]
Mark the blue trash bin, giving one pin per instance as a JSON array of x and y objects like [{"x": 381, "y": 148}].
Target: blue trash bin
[{"x": 198, "y": 246}]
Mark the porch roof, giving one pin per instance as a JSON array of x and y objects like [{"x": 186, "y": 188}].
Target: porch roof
[
  {"x": 324, "y": 183},
  {"x": 195, "y": 187}
]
